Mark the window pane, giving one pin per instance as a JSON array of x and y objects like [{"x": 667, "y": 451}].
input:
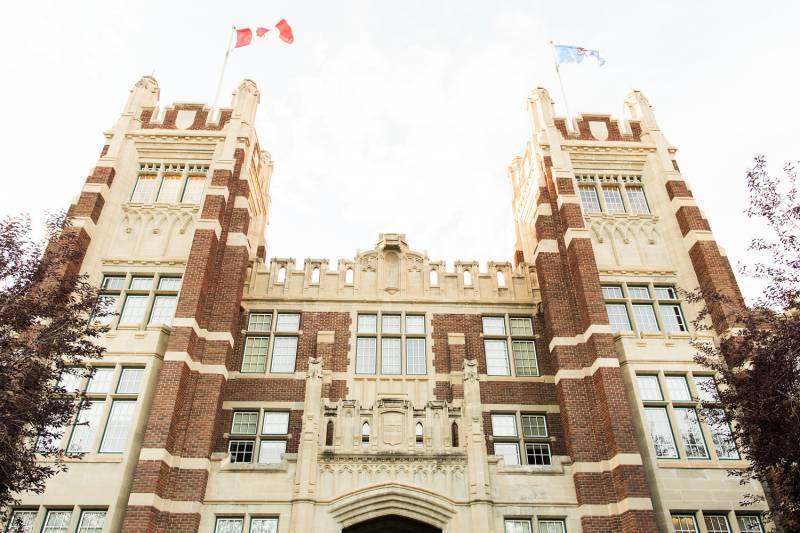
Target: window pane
[
  {"x": 496, "y": 358},
  {"x": 637, "y": 200},
  {"x": 538, "y": 453},
  {"x": 678, "y": 388},
  {"x": 518, "y": 526},
  {"x": 264, "y": 525},
  {"x": 415, "y": 324},
  {"x": 749, "y": 524},
  {"x": 717, "y": 524},
  {"x": 276, "y": 423},
  {"x": 589, "y": 200},
  {"x": 86, "y": 426},
  {"x": 684, "y": 524},
  {"x": 691, "y": 434},
  {"x": 618, "y": 317},
  {"x": 552, "y": 526},
  {"x": 721, "y": 436},
  {"x": 508, "y": 451},
  {"x": 170, "y": 189},
  {"x": 255, "y": 354},
  {"x": 133, "y": 311},
  {"x": 141, "y": 284},
  {"x": 244, "y": 422},
  {"x": 145, "y": 190},
  {"x": 390, "y": 323},
  {"x": 672, "y": 317},
  {"x": 494, "y": 325},
  {"x": 706, "y": 388},
  {"x": 241, "y": 451},
  {"x": 106, "y": 309},
  {"x": 194, "y": 189},
  {"x": 163, "y": 310},
  {"x": 365, "y": 355},
  {"x": 70, "y": 379},
  {"x": 118, "y": 426},
  {"x": 288, "y": 322},
  {"x": 534, "y": 426},
  {"x": 504, "y": 425},
  {"x": 390, "y": 356},
  {"x": 113, "y": 283},
  {"x": 415, "y": 356},
  {"x": 613, "y": 200},
  {"x": 649, "y": 388},
  {"x": 56, "y": 522},
  {"x": 525, "y": 358},
  {"x": 660, "y": 432},
  {"x": 101, "y": 380},
  {"x": 612, "y": 292},
  {"x": 169, "y": 284},
  {"x": 522, "y": 327},
  {"x": 284, "y": 353},
  {"x": 23, "y": 520},
  {"x": 229, "y": 525},
  {"x": 260, "y": 322},
  {"x": 639, "y": 293},
  {"x": 645, "y": 318},
  {"x": 92, "y": 522},
  {"x": 367, "y": 323},
  {"x": 271, "y": 451},
  {"x": 666, "y": 293}
]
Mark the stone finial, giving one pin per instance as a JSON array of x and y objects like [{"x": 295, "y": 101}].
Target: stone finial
[
  {"x": 542, "y": 109},
  {"x": 245, "y": 101},
  {"x": 640, "y": 109},
  {"x": 145, "y": 93}
]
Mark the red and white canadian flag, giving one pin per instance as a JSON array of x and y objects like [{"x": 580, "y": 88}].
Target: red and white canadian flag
[{"x": 244, "y": 36}]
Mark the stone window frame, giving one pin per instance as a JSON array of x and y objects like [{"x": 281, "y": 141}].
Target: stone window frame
[
  {"x": 259, "y": 436},
  {"x": 158, "y": 170},
  {"x": 671, "y": 405},
  {"x": 509, "y": 337},
  {"x": 731, "y": 519},
  {"x": 623, "y": 182},
  {"x": 520, "y": 439},
  {"x": 270, "y": 334},
  {"x": 246, "y": 521},
  {"x": 657, "y": 302},
  {"x": 108, "y": 399},
  {"x": 403, "y": 335},
  {"x": 121, "y": 292},
  {"x": 40, "y": 515},
  {"x": 538, "y": 520}
]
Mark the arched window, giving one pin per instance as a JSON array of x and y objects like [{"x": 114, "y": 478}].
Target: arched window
[
  {"x": 348, "y": 276},
  {"x": 418, "y": 434},
  {"x": 501, "y": 279},
  {"x": 329, "y": 433},
  {"x": 454, "y": 435},
  {"x": 365, "y": 433},
  {"x": 467, "y": 278},
  {"x": 281, "y": 274},
  {"x": 315, "y": 275},
  {"x": 434, "y": 277}
]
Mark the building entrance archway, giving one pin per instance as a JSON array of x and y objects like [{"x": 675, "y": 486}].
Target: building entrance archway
[{"x": 391, "y": 524}]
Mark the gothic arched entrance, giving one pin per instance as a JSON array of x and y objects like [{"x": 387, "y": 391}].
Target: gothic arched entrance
[{"x": 391, "y": 524}]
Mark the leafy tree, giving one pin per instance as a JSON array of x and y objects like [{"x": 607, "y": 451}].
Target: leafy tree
[
  {"x": 46, "y": 334},
  {"x": 758, "y": 364}
]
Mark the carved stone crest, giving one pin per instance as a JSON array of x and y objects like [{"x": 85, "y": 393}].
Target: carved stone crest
[
  {"x": 315, "y": 368},
  {"x": 470, "y": 370}
]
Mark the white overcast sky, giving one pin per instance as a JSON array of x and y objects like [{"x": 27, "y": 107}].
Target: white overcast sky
[{"x": 403, "y": 116}]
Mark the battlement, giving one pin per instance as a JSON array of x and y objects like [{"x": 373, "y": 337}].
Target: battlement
[{"x": 599, "y": 127}]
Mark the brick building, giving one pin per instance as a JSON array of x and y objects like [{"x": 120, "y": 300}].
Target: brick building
[{"x": 388, "y": 393}]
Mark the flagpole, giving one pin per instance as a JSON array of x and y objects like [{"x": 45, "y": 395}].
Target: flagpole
[
  {"x": 224, "y": 65},
  {"x": 561, "y": 83}
]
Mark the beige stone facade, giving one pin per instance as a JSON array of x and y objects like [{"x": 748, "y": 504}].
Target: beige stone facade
[{"x": 391, "y": 393}]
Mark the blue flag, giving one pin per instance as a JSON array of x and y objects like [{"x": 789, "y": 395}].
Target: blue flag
[{"x": 576, "y": 54}]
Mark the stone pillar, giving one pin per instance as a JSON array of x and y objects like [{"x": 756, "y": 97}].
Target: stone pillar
[{"x": 477, "y": 456}]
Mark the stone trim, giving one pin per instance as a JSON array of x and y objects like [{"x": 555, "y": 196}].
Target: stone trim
[
  {"x": 203, "y": 333},
  {"x": 580, "y": 373},
  {"x": 196, "y": 366},
  {"x": 575, "y": 233},
  {"x": 580, "y": 338},
  {"x": 616, "y": 508},
  {"x": 148, "y": 499},
  {"x": 628, "y": 459},
  {"x": 174, "y": 461},
  {"x": 209, "y": 224}
]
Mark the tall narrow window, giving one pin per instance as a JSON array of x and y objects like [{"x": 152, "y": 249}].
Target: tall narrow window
[
  {"x": 618, "y": 317},
  {"x": 724, "y": 444},
  {"x": 589, "y": 201},
  {"x": 672, "y": 317},
  {"x": 749, "y": 524},
  {"x": 365, "y": 434},
  {"x": 170, "y": 189},
  {"x": 274, "y": 434},
  {"x": 315, "y": 275},
  {"x": 691, "y": 434},
  {"x": 645, "y": 318},
  {"x": 504, "y": 431},
  {"x": 418, "y": 434},
  {"x": 163, "y": 309},
  {"x": 637, "y": 200},
  {"x": 678, "y": 388},
  {"x": 454, "y": 435},
  {"x": 134, "y": 309},
  {"x": 255, "y": 354},
  {"x": 194, "y": 190},
  {"x": 649, "y": 389},
  {"x": 613, "y": 200},
  {"x": 496, "y": 357},
  {"x": 118, "y": 426},
  {"x": 661, "y": 433},
  {"x": 281, "y": 274},
  {"x": 365, "y": 355},
  {"x": 348, "y": 276},
  {"x": 86, "y": 427},
  {"x": 525, "y": 358},
  {"x": 501, "y": 279},
  {"x": 23, "y": 520},
  {"x": 56, "y": 522},
  {"x": 284, "y": 354},
  {"x": 434, "y": 277},
  {"x": 145, "y": 190},
  {"x": 329, "y": 433},
  {"x": 390, "y": 355},
  {"x": 415, "y": 356},
  {"x": 467, "y": 278}
]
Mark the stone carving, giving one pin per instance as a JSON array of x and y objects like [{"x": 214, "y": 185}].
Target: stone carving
[
  {"x": 315, "y": 368},
  {"x": 470, "y": 370},
  {"x": 369, "y": 262},
  {"x": 154, "y": 231}
]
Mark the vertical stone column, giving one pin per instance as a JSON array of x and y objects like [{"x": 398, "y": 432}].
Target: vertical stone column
[{"x": 477, "y": 457}]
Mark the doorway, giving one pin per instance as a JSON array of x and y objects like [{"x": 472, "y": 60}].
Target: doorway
[{"x": 391, "y": 524}]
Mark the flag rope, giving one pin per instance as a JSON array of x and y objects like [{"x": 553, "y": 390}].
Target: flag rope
[
  {"x": 561, "y": 84},
  {"x": 222, "y": 71}
]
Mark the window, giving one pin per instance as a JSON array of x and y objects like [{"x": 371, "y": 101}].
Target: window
[
  {"x": 288, "y": 322},
  {"x": 501, "y": 279},
  {"x": 255, "y": 354},
  {"x": 315, "y": 275},
  {"x": 434, "y": 278},
  {"x": 717, "y": 523},
  {"x": 85, "y": 428},
  {"x": 454, "y": 435},
  {"x": 639, "y": 293},
  {"x": 693, "y": 442},
  {"x": 552, "y": 526},
  {"x": 284, "y": 354},
  {"x": 518, "y": 526},
  {"x": 721, "y": 436},
  {"x": 649, "y": 389},
  {"x": 494, "y": 325},
  {"x": 706, "y": 388},
  {"x": 645, "y": 318},
  {"x": 260, "y": 322},
  {"x": 534, "y": 439},
  {"x": 134, "y": 310},
  {"x": 163, "y": 310},
  {"x": 92, "y": 522},
  {"x": 348, "y": 276},
  {"x": 141, "y": 283},
  {"x": 113, "y": 283},
  {"x": 366, "y": 355},
  {"x": 678, "y": 388},
  {"x": 260, "y": 334},
  {"x": 271, "y": 451},
  {"x": 245, "y": 422},
  {"x": 139, "y": 298},
  {"x": 496, "y": 357},
  {"x": 229, "y": 525},
  {"x": 241, "y": 451},
  {"x": 618, "y": 318},
  {"x": 101, "y": 379},
  {"x": 684, "y": 524},
  {"x": 390, "y": 355},
  {"x": 666, "y": 293},
  {"x": 661, "y": 432},
  {"x": 672, "y": 317},
  {"x": 521, "y": 327},
  {"x": 496, "y": 350},
  {"x": 390, "y": 324},
  {"x": 467, "y": 278},
  {"x": 367, "y": 323},
  {"x": 169, "y": 182},
  {"x": 264, "y": 525},
  {"x": 589, "y": 201},
  {"x": 270, "y": 442},
  {"x": 415, "y": 356},
  {"x": 640, "y": 304},
  {"x": 525, "y": 358},
  {"x": 415, "y": 324},
  {"x": 118, "y": 426},
  {"x": 611, "y": 293},
  {"x": 365, "y": 434},
  {"x": 749, "y": 524},
  {"x": 637, "y": 200},
  {"x": 419, "y": 434},
  {"x": 613, "y": 200},
  {"x": 386, "y": 348},
  {"x": 23, "y": 520},
  {"x": 56, "y": 521},
  {"x": 276, "y": 423},
  {"x": 281, "y": 275},
  {"x": 71, "y": 380}
]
